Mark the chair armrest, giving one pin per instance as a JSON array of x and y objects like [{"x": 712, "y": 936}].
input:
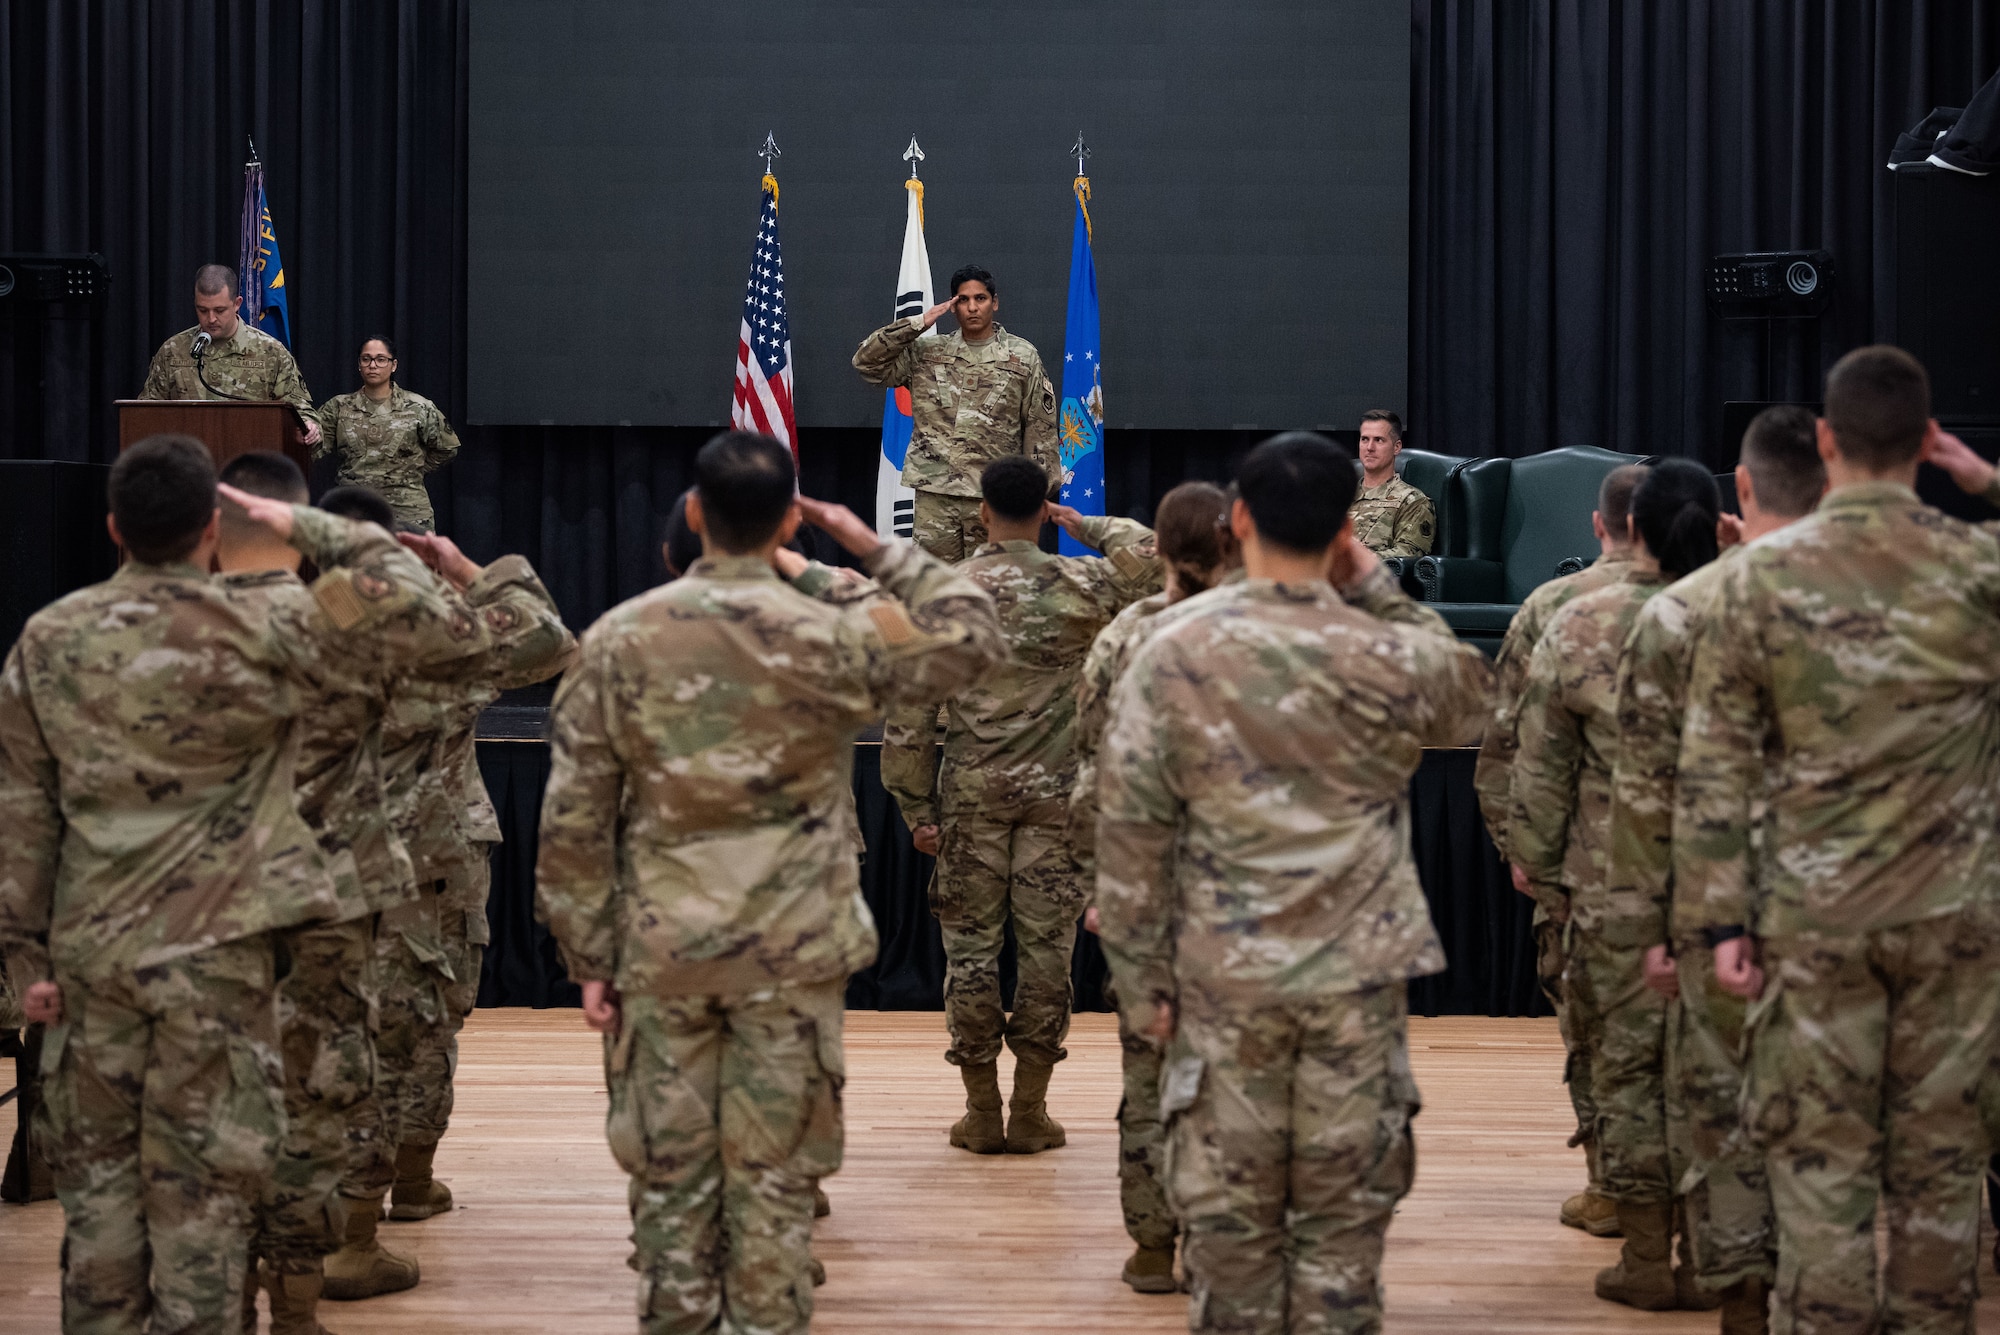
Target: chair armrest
[
  {"x": 1461, "y": 579},
  {"x": 1403, "y": 569}
]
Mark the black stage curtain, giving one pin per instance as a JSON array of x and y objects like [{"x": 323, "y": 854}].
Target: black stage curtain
[
  {"x": 1575, "y": 163},
  {"x": 1483, "y": 922}
]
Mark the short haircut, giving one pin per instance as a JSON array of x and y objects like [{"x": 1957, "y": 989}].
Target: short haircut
[
  {"x": 261, "y": 473},
  {"x": 1298, "y": 486},
  {"x": 362, "y": 504},
  {"x": 1190, "y": 540},
  {"x": 681, "y": 547},
  {"x": 1674, "y": 508},
  {"x": 1384, "y": 415},
  {"x": 387, "y": 344},
  {"x": 1015, "y": 486},
  {"x": 214, "y": 280},
  {"x": 746, "y": 483},
  {"x": 1614, "y": 497},
  {"x": 1781, "y": 454},
  {"x": 972, "y": 273},
  {"x": 1878, "y": 402},
  {"x": 162, "y": 493}
]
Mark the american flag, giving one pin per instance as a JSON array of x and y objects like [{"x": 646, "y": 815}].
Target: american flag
[{"x": 764, "y": 347}]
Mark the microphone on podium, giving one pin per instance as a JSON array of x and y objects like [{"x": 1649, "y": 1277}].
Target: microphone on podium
[{"x": 201, "y": 342}]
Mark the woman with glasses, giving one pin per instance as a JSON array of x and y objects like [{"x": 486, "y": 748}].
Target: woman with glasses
[{"x": 387, "y": 438}]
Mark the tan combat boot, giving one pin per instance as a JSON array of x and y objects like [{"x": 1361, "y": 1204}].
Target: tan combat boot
[
  {"x": 816, "y": 1270},
  {"x": 1151, "y": 1270},
  {"x": 250, "y": 1291},
  {"x": 1644, "y": 1275},
  {"x": 981, "y": 1130},
  {"x": 1591, "y": 1210},
  {"x": 363, "y": 1267},
  {"x": 1030, "y": 1129},
  {"x": 1746, "y": 1307},
  {"x": 295, "y": 1302},
  {"x": 417, "y": 1194},
  {"x": 822, "y": 1207}
]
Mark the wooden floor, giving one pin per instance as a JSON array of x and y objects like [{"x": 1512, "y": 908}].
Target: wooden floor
[{"x": 927, "y": 1238}]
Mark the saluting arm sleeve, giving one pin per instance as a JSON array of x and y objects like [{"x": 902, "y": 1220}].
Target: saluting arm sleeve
[
  {"x": 576, "y": 870},
  {"x": 934, "y": 635},
  {"x": 377, "y": 599},
  {"x": 1140, "y": 814},
  {"x": 1721, "y": 769},
  {"x": 1130, "y": 568},
  {"x": 530, "y": 643},
  {"x": 1639, "y": 874},
  {"x": 31, "y": 813},
  {"x": 1543, "y": 791},
  {"x": 888, "y": 356}
]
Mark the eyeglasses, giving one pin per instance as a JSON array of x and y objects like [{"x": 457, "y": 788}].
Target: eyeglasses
[{"x": 378, "y": 361}]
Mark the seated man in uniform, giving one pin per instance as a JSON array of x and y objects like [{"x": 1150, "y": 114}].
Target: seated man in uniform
[{"x": 1391, "y": 517}]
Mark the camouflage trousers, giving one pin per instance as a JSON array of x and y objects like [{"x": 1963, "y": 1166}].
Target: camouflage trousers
[
  {"x": 162, "y": 1111},
  {"x": 1142, "y": 1140},
  {"x": 1551, "y": 963},
  {"x": 726, "y": 1110},
  {"x": 948, "y": 527},
  {"x": 1867, "y": 1053},
  {"x": 991, "y": 873},
  {"x": 463, "y": 933},
  {"x": 1718, "y": 1174},
  {"x": 1627, "y": 1071},
  {"x": 411, "y": 974},
  {"x": 1288, "y": 1147},
  {"x": 326, "y": 1004}
]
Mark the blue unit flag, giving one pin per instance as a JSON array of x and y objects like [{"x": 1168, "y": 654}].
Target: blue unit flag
[
  {"x": 261, "y": 272},
  {"x": 1081, "y": 420}
]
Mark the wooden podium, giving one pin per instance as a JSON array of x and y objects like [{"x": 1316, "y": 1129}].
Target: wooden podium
[{"x": 228, "y": 427}]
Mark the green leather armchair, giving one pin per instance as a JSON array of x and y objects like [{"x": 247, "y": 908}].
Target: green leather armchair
[
  {"x": 1519, "y": 519},
  {"x": 1431, "y": 474}
]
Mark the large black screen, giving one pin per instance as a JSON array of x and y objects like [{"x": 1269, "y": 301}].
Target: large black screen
[{"x": 1249, "y": 196}]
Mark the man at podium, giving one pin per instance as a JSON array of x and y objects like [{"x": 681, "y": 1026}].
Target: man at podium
[{"x": 224, "y": 358}]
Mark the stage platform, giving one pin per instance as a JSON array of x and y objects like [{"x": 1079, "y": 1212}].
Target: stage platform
[{"x": 927, "y": 1238}]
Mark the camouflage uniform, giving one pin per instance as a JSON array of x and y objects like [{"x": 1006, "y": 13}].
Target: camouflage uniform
[
  {"x": 1142, "y": 1135},
  {"x": 1686, "y": 1069},
  {"x": 695, "y": 852},
  {"x": 972, "y": 404},
  {"x": 389, "y": 446},
  {"x": 453, "y": 827},
  {"x": 1000, "y": 798},
  {"x": 1394, "y": 519},
  {"x": 1493, "y": 775},
  {"x": 1567, "y": 735},
  {"x": 327, "y": 999},
  {"x": 1254, "y": 867},
  {"x": 249, "y": 364},
  {"x": 426, "y": 742},
  {"x": 147, "y": 755},
  {"x": 1847, "y": 678}
]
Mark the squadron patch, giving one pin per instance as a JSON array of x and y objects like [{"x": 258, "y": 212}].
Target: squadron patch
[{"x": 502, "y": 618}]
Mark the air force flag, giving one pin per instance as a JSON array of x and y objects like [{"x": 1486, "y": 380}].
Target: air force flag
[
  {"x": 1081, "y": 422},
  {"x": 895, "y": 504}
]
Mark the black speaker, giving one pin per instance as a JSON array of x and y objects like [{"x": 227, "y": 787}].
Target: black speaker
[
  {"x": 1948, "y": 287},
  {"x": 52, "y": 536},
  {"x": 1774, "y": 284}
]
